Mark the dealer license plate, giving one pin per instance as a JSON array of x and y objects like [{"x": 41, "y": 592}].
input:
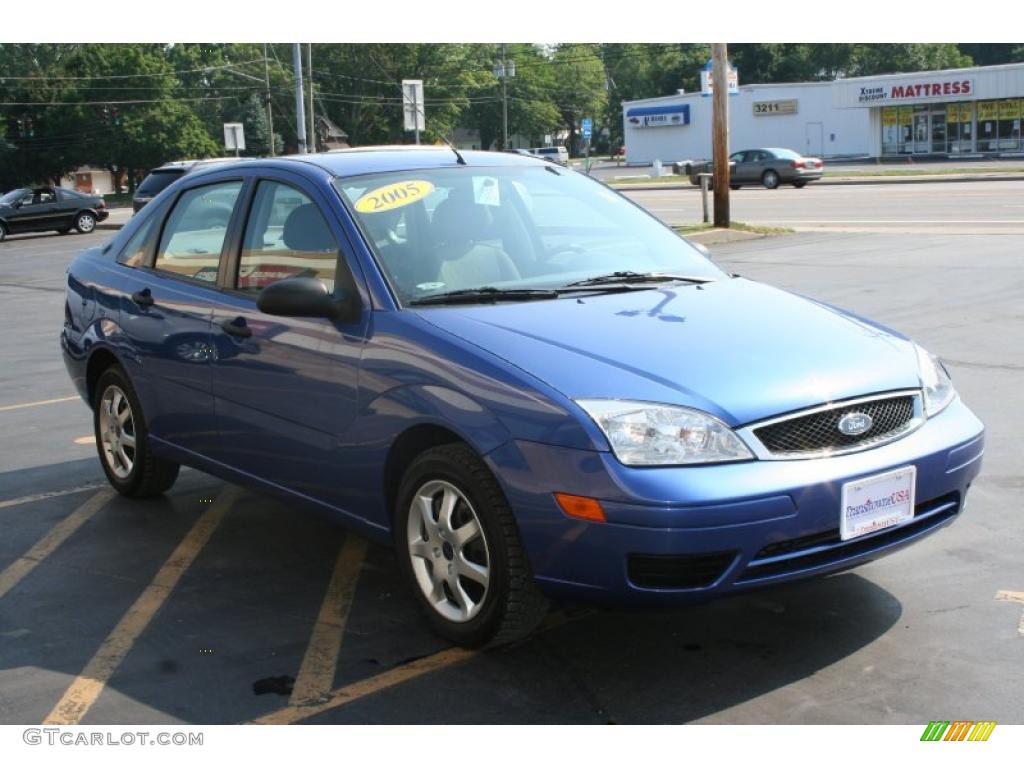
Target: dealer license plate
[{"x": 878, "y": 502}]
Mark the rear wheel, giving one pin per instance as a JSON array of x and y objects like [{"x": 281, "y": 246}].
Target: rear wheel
[
  {"x": 799, "y": 184},
  {"x": 459, "y": 548},
  {"x": 3, "y": 232},
  {"x": 85, "y": 223},
  {"x": 770, "y": 179},
  {"x": 123, "y": 441},
  {"x": 734, "y": 186}
]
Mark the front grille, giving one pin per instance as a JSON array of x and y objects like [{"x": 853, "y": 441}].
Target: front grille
[
  {"x": 819, "y": 431},
  {"x": 818, "y": 549},
  {"x": 678, "y": 571}
]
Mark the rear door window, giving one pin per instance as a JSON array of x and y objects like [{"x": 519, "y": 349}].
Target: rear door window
[
  {"x": 286, "y": 236},
  {"x": 157, "y": 181},
  {"x": 196, "y": 228}
]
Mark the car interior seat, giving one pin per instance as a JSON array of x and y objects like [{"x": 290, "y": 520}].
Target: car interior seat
[{"x": 460, "y": 228}]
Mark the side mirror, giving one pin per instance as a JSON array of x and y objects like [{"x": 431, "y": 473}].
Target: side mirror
[{"x": 306, "y": 297}]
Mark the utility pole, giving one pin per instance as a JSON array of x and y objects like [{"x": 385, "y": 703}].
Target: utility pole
[
  {"x": 720, "y": 131},
  {"x": 504, "y": 99},
  {"x": 270, "y": 109},
  {"x": 504, "y": 69},
  {"x": 312, "y": 118},
  {"x": 300, "y": 106}
]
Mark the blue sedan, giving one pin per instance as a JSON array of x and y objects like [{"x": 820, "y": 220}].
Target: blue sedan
[{"x": 526, "y": 383}]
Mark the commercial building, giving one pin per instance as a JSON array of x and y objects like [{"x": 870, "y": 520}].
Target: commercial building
[{"x": 969, "y": 112}]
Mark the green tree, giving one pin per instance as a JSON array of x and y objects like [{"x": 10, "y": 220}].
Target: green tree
[
  {"x": 580, "y": 87},
  {"x": 532, "y": 111}
]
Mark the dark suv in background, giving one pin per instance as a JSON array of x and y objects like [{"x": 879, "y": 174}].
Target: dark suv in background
[{"x": 168, "y": 173}]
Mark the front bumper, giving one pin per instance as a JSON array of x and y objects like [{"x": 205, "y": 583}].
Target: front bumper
[{"x": 679, "y": 534}]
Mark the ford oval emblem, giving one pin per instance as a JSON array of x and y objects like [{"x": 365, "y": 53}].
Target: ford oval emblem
[{"x": 854, "y": 424}]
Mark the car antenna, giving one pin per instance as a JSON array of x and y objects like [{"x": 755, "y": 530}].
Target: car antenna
[{"x": 453, "y": 149}]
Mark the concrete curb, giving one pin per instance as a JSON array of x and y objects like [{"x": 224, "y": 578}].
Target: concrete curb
[
  {"x": 719, "y": 236},
  {"x": 936, "y": 179}
]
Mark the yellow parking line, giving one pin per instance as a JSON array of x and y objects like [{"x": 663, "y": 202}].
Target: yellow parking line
[
  {"x": 49, "y": 495},
  {"x": 1005, "y": 594},
  {"x": 57, "y": 535},
  {"x": 88, "y": 686},
  {"x": 316, "y": 674},
  {"x": 39, "y": 402},
  {"x": 341, "y": 696}
]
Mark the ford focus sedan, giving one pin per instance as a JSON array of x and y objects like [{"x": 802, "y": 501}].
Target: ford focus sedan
[{"x": 528, "y": 385}]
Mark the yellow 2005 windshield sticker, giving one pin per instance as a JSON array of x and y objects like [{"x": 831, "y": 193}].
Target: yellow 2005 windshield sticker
[{"x": 393, "y": 196}]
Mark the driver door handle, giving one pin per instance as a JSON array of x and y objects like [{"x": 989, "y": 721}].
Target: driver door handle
[
  {"x": 143, "y": 298},
  {"x": 237, "y": 327}
]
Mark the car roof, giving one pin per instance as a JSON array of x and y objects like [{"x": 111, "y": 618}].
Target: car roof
[{"x": 403, "y": 157}]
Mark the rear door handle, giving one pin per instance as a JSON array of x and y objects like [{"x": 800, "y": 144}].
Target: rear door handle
[
  {"x": 237, "y": 327},
  {"x": 143, "y": 298}
]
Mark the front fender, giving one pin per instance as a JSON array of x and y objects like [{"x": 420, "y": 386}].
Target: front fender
[{"x": 405, "y": 407}]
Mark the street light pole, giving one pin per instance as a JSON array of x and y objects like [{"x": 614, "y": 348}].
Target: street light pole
[
  {"x": 312, "y": 120},
  {"x": 720, "y": 131},
  {"x": 270, "y": 110},
  {"x": 504, "y": 99},
  {"x": 300, "y": 106}
]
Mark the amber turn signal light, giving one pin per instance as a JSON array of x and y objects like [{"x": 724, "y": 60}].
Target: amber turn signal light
[{"x": 581, "y": 507}]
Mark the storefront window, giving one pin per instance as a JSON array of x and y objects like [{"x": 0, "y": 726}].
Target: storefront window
[
  {"x": 1009, "y": 124},
  {"x": 988, "y": 126},
  {"x": 959, "y": 127},
  {"x": 906, "y": 118},
  {"x": 890, "y": 131}
]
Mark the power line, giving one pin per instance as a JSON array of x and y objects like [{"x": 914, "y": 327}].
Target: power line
[{"x": 125, "y": 77}]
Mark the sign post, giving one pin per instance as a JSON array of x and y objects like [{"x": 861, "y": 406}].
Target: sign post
[
  {"x": 413, "y": 107},
  {"x": 234, "y": 136},
  {"x": 587, "y": 129}
]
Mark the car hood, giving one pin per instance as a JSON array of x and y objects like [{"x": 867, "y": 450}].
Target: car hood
[{"x": 741, "y": 350}]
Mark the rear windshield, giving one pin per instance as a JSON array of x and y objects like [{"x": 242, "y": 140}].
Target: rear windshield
[
  {"x": 785, "y": 154},
  {"x": 157, "y": 181}
]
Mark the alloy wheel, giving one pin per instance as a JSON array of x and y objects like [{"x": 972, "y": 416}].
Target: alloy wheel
[
  {"x": 117, "y": 433},
  {"x": 448, "y": 550},
  {"x": 86, "y": 223}
]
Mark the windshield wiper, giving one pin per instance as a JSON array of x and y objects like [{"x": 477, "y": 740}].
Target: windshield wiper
[
  {"x": 487, "y": 294},
  {"x": 634, "y": 278}
]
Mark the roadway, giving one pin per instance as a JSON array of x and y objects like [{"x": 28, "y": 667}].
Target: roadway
[
  {"x": 976, "y": 207},
  {"x": 219, "y": 605}
]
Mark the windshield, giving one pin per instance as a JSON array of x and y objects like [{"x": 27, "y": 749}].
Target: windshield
[
  {"x": 14, "y": 196},
  {"x": 157, "y": 181},
  {"x": 460, "y": 229}
]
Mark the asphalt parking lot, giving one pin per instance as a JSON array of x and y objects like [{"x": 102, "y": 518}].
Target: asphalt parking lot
[{"x": 216, "y": 604}]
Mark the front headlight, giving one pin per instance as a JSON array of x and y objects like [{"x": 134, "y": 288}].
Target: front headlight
[
  {"x": 644, "y": 434},
  {"x": 935, "y": 382}
]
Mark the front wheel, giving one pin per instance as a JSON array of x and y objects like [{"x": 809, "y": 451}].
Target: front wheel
[
  {"x": 122, "y": 439},
  {"x": 770, "y": 179},
  {"x": 3, "y": 232},
  {"x": 85, "y": 223},
  {"x": 458, "y": 545}
]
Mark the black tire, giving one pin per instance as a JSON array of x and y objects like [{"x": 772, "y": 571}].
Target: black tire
[
  {"x": 734, "y": 186},
  {"x": 799, "y": 184},
  {"x": 85, "y": 222},
  {"x": 148, "y": 475},
  {"x": 770, "y": 179},
  {"x": 63, "y": 230},
  {"x": 3, "y": 232},
  {"x": 511, "y": 606}
]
